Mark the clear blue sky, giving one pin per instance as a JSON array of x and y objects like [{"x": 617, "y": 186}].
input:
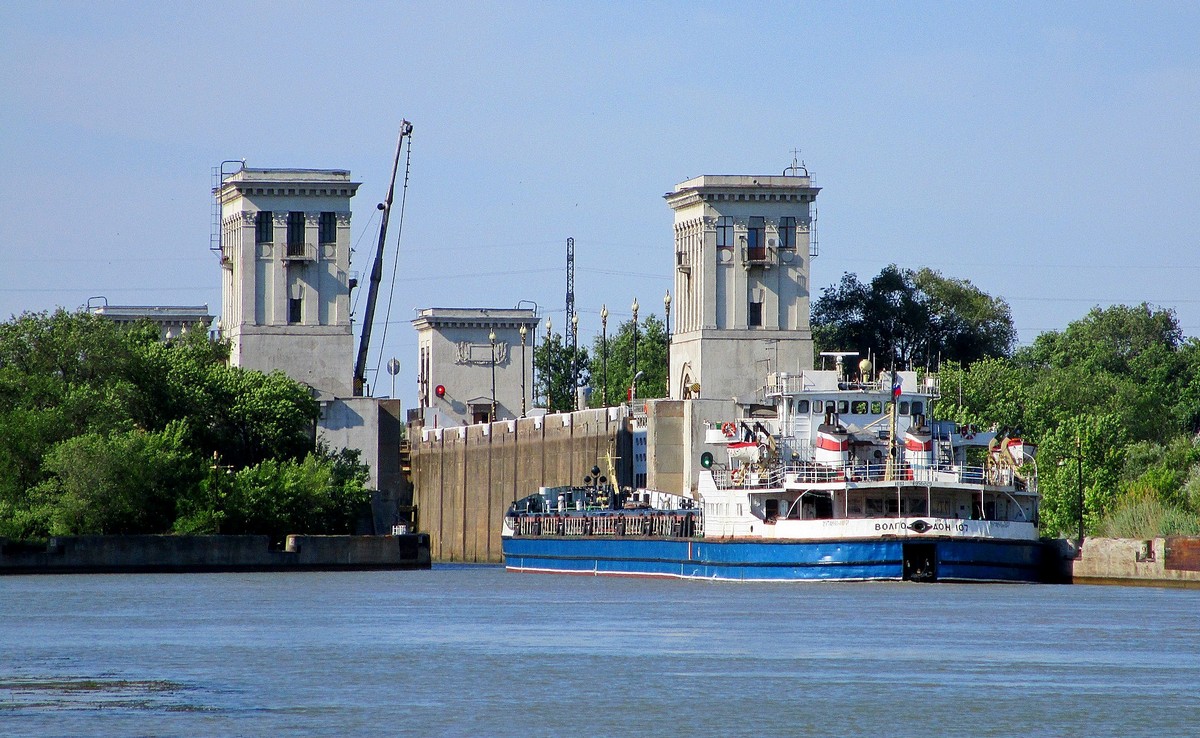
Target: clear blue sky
[{"x": 1048, "y": 152}]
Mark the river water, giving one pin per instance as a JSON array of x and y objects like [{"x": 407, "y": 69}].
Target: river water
[{"x": 476, "y": 651}]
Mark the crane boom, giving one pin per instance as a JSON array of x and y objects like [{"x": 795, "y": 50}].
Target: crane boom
[{"x": 360, "y": 364}]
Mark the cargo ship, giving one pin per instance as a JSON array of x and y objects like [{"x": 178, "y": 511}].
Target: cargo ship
[{"x": 845, "y": 477}]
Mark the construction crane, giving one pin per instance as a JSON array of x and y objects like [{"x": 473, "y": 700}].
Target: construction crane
[{"x": 364, "y": 341}]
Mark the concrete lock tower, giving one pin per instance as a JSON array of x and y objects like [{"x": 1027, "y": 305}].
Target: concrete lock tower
[
  {"x": 742, "y": 250},
  {"x": 285, "y": 249}
]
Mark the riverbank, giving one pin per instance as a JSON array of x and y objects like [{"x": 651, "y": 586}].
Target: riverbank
[{"x": 167, "y": 554}]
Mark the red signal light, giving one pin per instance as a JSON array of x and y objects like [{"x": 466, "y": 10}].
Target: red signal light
[{"x": 440, "y": 390}]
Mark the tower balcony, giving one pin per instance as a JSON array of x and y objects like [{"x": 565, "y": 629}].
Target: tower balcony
[
  {"x": 759, "y": 255},
  {"x": 300, "y": 251}
]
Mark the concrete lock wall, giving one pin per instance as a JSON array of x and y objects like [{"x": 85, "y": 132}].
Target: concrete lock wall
[
  {"x": 464, "y": 478},
  {"x": 1158, "y": 562}
]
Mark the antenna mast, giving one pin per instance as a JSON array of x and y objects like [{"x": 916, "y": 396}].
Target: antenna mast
[{"x": 569, "y": 335}]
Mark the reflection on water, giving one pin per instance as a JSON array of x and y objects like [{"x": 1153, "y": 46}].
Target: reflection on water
[{"x": 478, "y": 651}]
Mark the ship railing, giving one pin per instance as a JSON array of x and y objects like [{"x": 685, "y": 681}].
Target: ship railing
[
  {"x": 793, "y": 384},
  {"x": 656, "y": 523},
  {"x": 780, "y": 475}
]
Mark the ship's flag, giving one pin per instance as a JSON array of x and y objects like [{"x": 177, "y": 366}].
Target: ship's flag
[{"x": 895, "y": 384}]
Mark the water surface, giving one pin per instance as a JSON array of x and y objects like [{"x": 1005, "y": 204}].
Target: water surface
[{"x": 478, "y": 651}]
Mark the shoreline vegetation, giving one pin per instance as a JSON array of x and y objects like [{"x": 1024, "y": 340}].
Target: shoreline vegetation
[{"x": 107, "y": 430}]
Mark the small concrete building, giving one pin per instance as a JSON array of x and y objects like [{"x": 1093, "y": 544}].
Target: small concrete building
[
  {"x": 172, "y": 320},
  {"x": 457, "y": 353},
  {"x": 285, "y": 250},
  {"x": 742, "y": 252}
]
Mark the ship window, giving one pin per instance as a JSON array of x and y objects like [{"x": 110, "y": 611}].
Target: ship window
[
  {"x": 859, "y": 407},
  {"x": 725, "y": 231},
  {"x": 787, "y": 232},
  {"x": 802, "y": 406},
  {"x": 843, "y": 406},
  {"x": 876, "y": 407},
  {"x": 918, "y": 408},
  {"x": 264, "y": 227},
  {"x": 830, "y": 406},
  {"x": 903, "y": 407}
]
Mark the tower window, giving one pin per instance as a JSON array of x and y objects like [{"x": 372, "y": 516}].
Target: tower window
[
  {"x": 755, "y": 244},
  {"x": 327, "y": 229},
  {"x": 725, "y": 231},
  {"x": 296, "y": 310},
  {"x": 264, "y": 227},
  {"x": 787, "y": 232},
  {"x": 754, "y": 320},
  {"x": 295, "y": 231}
]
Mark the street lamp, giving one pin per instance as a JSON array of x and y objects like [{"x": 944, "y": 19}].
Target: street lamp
[
  {"x": 549, "y": 374},
  {"x": 634, "y": 306},
  {"x": 574, "y": 359},
  {"x": 492, "y": 340},
  {"x": 667, "y": 311},
  {"x": 524, "y": 330},
  {"x": 667, "y": 308},
  {"x": 1079, "y": 483},
  {"x": 604, "y": 351}
]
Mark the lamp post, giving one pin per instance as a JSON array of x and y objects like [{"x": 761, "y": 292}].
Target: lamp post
[
  {"x": 634, "y": 306},
  {"x": 604, "y": 351},
  {"x": 1079, "y": 476},
  {"x": 667, "y": 311},
  {"x": 524, "y": 331},
  {"x": 549, "y": 373},
  {"x": 492, "y": 340},
  {"x": 575, "y": 363},
  {"x": 1079, "y": 487}
]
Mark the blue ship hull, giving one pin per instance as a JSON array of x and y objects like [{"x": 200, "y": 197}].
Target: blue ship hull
[{"x": 946, "y": 559}]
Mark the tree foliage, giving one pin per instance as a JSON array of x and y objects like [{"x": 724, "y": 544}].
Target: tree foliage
[
  {"x": 651, "y": 360},
  {"x": 1119, "y": 389},
  {"x": 106, "y": 429},
  {"x": 560, "y": 370},
  {"x": 912, "y": 318}
]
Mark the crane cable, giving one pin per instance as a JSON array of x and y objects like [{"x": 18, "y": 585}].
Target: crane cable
[{"x": 396, "y": 262}]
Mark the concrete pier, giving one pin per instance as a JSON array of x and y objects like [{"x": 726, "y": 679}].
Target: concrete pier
[{"x": 135, "y": 554}]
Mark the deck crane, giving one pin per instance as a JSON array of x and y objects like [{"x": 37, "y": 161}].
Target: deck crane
[{"x": 360, "y": 365}]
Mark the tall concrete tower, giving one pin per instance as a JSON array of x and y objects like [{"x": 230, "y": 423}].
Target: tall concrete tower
[
  {"x": 285, "y": 249},
  {"x": 742, "y": 251}
]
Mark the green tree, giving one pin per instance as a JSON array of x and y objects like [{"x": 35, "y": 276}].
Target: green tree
[
  {"x": 324, "y": 492},
  {"x": 912, "y": 318},
  {"x": 109, "y": 484},
  {"x": 651, "y": 361},
  {"x": 1127, "y": 361},
  {"x": 560, "y": 370},
  {"x": 1093, "y": 445},
  {"x": 102, "y": 428}
]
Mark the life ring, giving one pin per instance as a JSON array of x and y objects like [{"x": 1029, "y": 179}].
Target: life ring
[
  {"x": 729, "y": 429},
  {"x": 736, "y": 475},
  {"x": 968, "y": 432}
]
